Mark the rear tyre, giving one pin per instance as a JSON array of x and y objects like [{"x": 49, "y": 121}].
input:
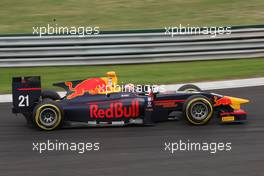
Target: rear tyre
[
  {"x": 198, "y": 110},
  {"x": 48, "y": 116},
  {"x": 189, "y": 88}
]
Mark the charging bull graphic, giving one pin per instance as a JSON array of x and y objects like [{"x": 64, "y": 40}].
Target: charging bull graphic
[{"x": 91, "y": 86}]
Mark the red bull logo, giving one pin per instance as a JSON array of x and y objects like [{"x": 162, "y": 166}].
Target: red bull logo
[
  {"x": 223, "y": 101},
  {"x": 91, "y": 86},
  {"x": 115, "y": 110}
]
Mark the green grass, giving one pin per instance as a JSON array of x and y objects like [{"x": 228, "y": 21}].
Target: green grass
[
  {"x": 163, "y": 73},
  {"x": 20, "y": 16}
]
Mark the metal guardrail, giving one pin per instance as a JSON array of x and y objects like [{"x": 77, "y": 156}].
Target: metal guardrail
[{"x": 126, "y": 48}]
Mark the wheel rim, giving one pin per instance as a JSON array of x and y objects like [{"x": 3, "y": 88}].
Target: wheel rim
[
  {"x": 48, "y": 117},
  {"x": 199, "y": 111}
]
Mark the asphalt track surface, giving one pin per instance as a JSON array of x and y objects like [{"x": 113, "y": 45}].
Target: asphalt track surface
[{"x": 138, "y": 150}]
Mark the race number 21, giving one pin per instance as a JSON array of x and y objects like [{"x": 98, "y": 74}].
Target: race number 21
[{"x": 23, "y": 101}]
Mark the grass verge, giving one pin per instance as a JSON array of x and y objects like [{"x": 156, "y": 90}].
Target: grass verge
[
  {"x": 161, "y": 73},
  {"x": 20, "y": 16}
]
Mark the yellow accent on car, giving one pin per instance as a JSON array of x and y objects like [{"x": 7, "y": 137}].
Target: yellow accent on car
[
  {"x": 111, "y": 80},
  {"x": 228, "y": 119},
  {"x": 236, "y": 102},
  {"x": 38, "y": 114},
  {"x": 112, "y": 75}
]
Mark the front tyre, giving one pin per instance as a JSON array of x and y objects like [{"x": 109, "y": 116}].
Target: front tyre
[
  {"x": 48, "y": 116},
  {"x": 198, "y": 110}
]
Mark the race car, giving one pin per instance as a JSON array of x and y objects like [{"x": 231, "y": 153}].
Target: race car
[{"x": 101, "y": 101}]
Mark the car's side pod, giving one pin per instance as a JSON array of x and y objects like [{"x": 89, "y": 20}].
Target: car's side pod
[{"x": 26, "y": 93}]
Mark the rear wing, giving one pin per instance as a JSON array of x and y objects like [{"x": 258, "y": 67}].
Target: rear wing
[{"x": 26, "y": 92}]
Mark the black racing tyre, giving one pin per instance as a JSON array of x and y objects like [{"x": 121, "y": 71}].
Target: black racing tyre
[
  {"x": 48, "y": 115},
  {"x": 198, "y": 110},
  {"x": 189, "y": 88},
  {"x": 50, "y": 94}
]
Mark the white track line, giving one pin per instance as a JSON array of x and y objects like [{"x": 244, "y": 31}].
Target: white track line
[{"x": 237, "y": 83}]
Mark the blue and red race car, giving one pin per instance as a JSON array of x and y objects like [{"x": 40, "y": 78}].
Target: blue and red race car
[{"x": 101, "y": 102}]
